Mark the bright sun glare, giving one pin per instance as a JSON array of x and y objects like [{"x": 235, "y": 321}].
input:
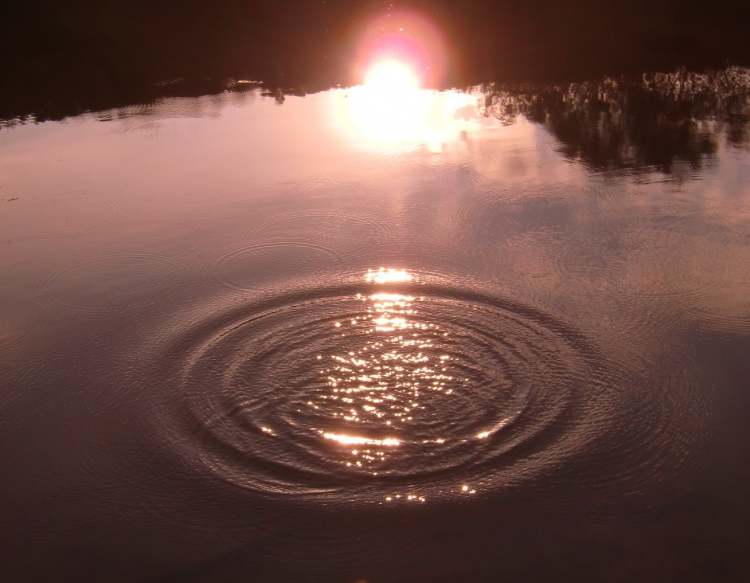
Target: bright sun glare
[
  {"x": 391, "y": 113},
  {"x": 399, "y": 54},
  {"x": 391, "y": 75}
]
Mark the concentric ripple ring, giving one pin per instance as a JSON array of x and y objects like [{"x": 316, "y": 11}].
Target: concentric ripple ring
[{"x": 389, "y": 388}]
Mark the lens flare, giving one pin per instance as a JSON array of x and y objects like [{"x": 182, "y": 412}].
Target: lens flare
[
  {"x": 401, "y": 55},
  {"x": 403, "y": 36},
  {"x": 391, "y": 75}
]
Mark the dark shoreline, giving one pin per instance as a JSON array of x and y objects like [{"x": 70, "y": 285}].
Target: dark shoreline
[{"x": 63, "y": 60}]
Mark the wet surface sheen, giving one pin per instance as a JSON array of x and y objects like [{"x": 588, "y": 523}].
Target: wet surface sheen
[{"x": 455, "y": 335}]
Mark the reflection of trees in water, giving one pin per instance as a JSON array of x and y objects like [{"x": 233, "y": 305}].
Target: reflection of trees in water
[
  {"x": 670, "y": 122},
  {"x": 653, "y": 121}
]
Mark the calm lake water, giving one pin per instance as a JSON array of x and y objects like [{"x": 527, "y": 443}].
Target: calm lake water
[{"x": 380, "y": 333}]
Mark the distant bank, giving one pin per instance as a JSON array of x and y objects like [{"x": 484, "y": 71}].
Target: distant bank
[{"x": 69, "y": 55}]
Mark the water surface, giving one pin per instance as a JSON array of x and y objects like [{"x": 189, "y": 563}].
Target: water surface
[{"x": 380, "y": 334}]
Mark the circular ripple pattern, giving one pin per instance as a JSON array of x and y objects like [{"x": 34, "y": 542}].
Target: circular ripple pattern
[
  {"x": 389, "y": 390},
  {"x": 250, "y": 266},
  {"x": 135, "y": 280}
]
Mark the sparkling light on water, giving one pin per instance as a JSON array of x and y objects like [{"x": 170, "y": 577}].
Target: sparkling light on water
[
  {"x": 387, "y": 275},
  {"x": 382, "y": 384}
]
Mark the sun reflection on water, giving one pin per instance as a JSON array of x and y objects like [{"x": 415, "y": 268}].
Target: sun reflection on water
[
  {"x": 379, "y": 389},
  {"x": 387, "y": 275},
  {"x": 356, "y": 440},
  {"x": 390, "y": 113},
  {"x": 377, "y": 406}
]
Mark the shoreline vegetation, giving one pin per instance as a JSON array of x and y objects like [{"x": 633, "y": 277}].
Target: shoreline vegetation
[
  {"x": 60, "y": 59},
  {"x": 651, "y": 121}
]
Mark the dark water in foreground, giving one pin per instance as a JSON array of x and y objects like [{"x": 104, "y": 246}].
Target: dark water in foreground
[{"x": 378, "y": 334}]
